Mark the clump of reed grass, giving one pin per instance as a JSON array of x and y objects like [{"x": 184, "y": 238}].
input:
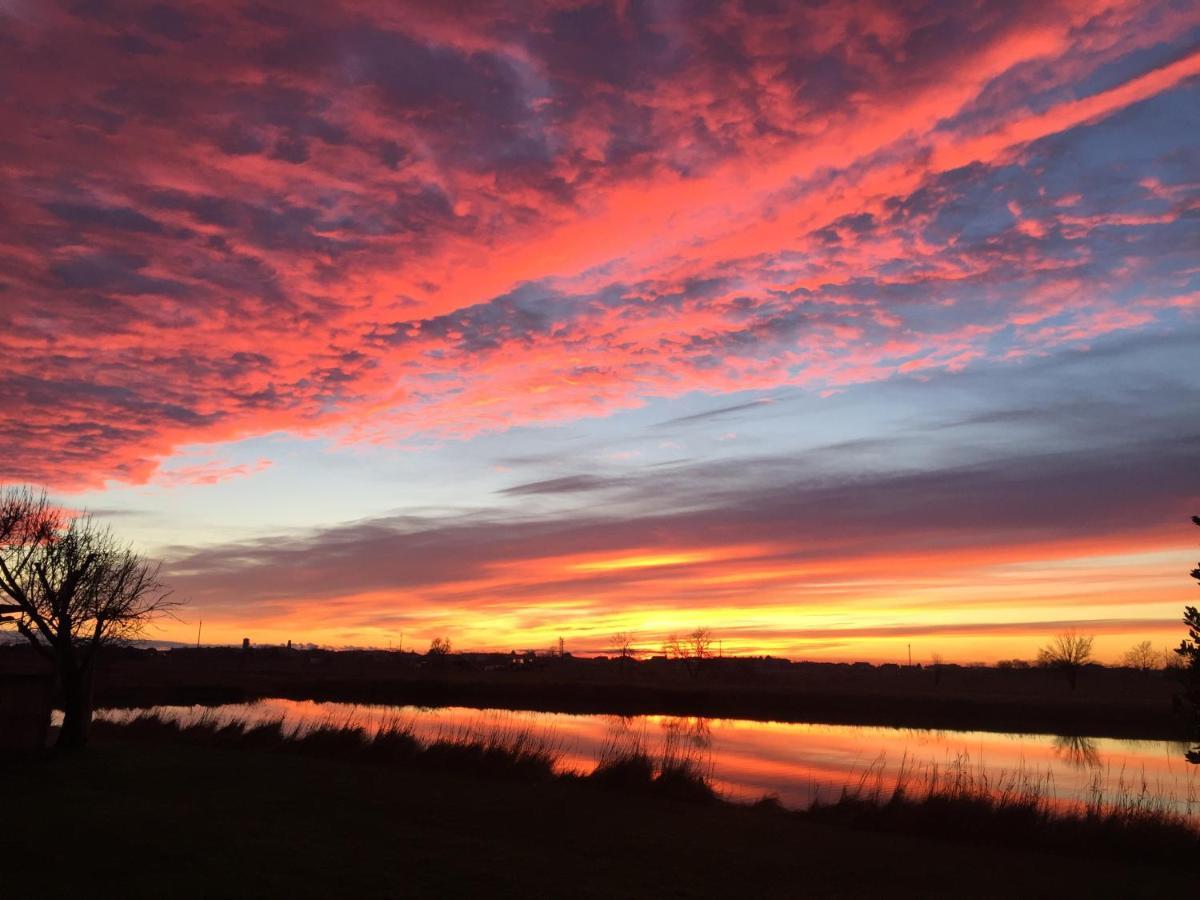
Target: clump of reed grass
[
  {"x": 678, "y": 771},
  {"x": 1014, "y": 808},
  {"x": 518, "y": 754},
  {"x": 394, "y": 742}
]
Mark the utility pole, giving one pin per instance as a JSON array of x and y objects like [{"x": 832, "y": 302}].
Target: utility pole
[
  {"x": 910, "y": 656},
  {"x": 198, "y": 627}
]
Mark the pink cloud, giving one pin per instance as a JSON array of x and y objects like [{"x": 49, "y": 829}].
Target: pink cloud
[
  {"x": 378, "y": 221},
  {"x": 208, "y": 473}
]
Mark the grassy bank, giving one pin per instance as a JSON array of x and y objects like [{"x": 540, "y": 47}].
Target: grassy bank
[
  {"x": 518, "y": 754},
  {"x": 1018, "y": 809},
  {"x": 175, "y": 820},
  {"x": 957, "y": 802}
]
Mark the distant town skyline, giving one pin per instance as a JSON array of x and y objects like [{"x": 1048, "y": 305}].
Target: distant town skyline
[{"x": 834, "y": 329}]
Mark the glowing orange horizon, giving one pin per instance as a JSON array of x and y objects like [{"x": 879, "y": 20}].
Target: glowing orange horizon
[{"x": 824, "y": 610}]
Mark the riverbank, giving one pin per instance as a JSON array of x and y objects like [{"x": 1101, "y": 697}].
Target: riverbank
[
  {"x": 1107, "y": 702},
  {"x": 169, "y": 820},
  {"x": 1119, "y": 703}
]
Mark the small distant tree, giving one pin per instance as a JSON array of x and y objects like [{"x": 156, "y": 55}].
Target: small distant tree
[
  {"x": 623, "y": 644},
  {"x": 71, "y": 589},
  {"x": 1068, "y": 653},
  {"x": 936, "y": 663},
  {"x": 439, "y": 646},
  {"x": 1142, "y": 656},
  {"x": 700, "y": 643},
  {"x": 691, "y": 648}
]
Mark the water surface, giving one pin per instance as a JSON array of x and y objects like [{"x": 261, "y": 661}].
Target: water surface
[{"x": 795, "y": 762}]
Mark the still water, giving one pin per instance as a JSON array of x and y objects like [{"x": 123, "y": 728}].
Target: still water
[{"x": 796, "y": 762}]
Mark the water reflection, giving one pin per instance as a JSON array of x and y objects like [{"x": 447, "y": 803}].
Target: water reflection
[
  {"x": 1077, "y": 751},
  {"x": 690, "y": 731},
  {"x": 796, "y": 762}
]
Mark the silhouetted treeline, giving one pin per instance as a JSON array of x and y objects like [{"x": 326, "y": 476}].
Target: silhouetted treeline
[{"x": 1108, "y": 701}]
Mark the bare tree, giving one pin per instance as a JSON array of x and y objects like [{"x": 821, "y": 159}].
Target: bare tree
[
  {"x": 1068, "y": 652},
  {"x": 1142, "y": 656},
  {"x": 74, "y": 589},
  {"x": 623, "y": 644},
  {"x": 700, "y": 643},
  {"x": 691, "y": 648},
  {"x": 439, "y": 646}
]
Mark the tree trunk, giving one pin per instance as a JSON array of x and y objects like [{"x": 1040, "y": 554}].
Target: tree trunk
[{"x": 77, "y": 708}]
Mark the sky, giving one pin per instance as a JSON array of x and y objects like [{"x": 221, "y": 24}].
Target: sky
[{"x": 839, "y": 328}]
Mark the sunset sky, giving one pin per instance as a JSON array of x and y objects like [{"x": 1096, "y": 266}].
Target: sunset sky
[{"x": 834, "y": 327}]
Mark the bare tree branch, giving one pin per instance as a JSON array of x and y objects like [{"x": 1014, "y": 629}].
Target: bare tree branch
[{"x": 77, "y": 588}]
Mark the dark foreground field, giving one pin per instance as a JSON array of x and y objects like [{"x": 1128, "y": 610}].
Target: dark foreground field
[{"x": 178, "y": 821}]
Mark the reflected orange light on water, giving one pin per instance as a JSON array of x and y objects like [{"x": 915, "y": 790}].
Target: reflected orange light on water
[{"x": 797, "y": 762}]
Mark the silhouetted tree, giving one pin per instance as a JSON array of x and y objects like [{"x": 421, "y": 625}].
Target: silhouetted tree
[
  {"x": 700, "y": 642},
  {"x": 1142, "y": 656},
  {"x": 73, "y": 590},
  {"x": 1189, "y": 651},
  {"x": 1068, "y": 653},
  {"x": 623, "y": 644},
  {"x": 439, "y": 646},
  {"x": 691, "y": 648}
]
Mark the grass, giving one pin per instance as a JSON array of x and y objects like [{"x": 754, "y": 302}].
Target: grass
[
  {"x": 516, "y": 754},
  {"x": 1016, "y": 809},
  {"x": 677, "y": 771},
  {"x": 957, "y": 802},
  {"x": 176, "y": 820}
]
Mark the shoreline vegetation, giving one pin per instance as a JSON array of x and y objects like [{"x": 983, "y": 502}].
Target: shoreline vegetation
[
  {"x": 180, "y": 820},
  {"x": 1107, "y": 702},
  {"x": 1016, "y": 810}
]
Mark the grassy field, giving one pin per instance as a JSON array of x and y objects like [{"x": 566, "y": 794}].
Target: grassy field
[{"x": 180, "y": 821}]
